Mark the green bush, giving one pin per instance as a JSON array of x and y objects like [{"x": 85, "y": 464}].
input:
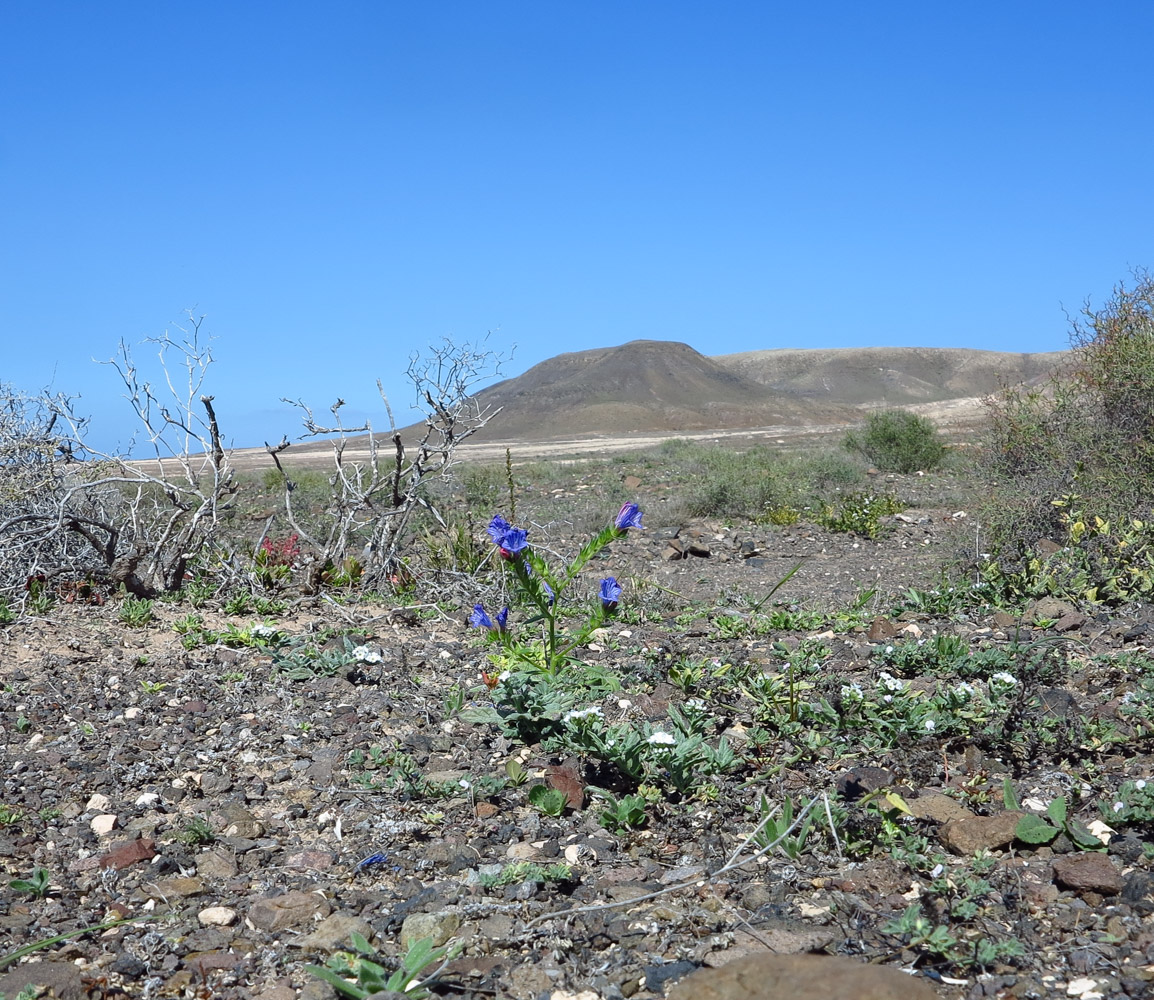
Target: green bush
[
  {"x": 898, "y": 441},
  {"x": 1084, "y": 440}
]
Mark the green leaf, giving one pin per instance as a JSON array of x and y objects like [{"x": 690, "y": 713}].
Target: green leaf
[
  {"x": 483, "y": 715},
  {"x": 1056, "y": 810},
  {"x": 337, "y": 982},
  {"x": 1009, "y": 796},
  {"x": 1083, "y": 838},
  {"x": 1033, "y": 829}
]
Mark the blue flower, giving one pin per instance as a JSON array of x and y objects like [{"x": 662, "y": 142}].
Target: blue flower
[
  {"x": 508, "y": 539},
  {"x": 610, "y": 593},
  {"x": 628, "y": 517},
  {"x": 480, "y": 619}
]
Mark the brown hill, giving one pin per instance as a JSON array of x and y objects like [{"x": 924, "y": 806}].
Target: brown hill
[{"x": 644, "y": 385}]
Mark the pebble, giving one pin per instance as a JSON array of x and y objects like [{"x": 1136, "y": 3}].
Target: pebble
[{"x": 217, "y": 916}]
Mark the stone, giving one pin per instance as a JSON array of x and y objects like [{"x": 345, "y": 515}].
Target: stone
[
  {"x": 937, "y": 808},
  {"x": 439, "y": 926},
  {"x": 123, "y": 855},
  {"x": 217, "y": 916},
  {"x": 800, "y": 977},
  {"x": 99, "y": 803},
  {"x": 61, "y": 979},
  {"x": 981, "y": 833},
  {"x": 1089, "y": 872},
  {"x": 291, "y": 909},
  {"x": 216, "y": 864},
  {"x": 333, "y": 932},
  {"x": 180, "y": 887},
  {"x": 859, "y": 781},
  {"x": 239, "y": 822},
  {"x": 880, "y": 629},
  {"x": 104, "y": 824},
  {"x": 1048, "y": 607}
]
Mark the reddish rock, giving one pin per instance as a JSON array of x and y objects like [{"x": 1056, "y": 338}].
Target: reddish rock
[
  {"x": 1088, "y": 872},
  {"x": 122, "y": 856},
  {"x": 566, "y": 779}
]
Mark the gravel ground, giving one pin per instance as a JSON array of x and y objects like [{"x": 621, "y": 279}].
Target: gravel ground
[{"x": 221, "y": 799}]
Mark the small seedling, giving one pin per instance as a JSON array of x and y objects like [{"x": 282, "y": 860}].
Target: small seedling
[
  {"x": 550, "y": 801},
  {"x": 197, "y": 832},
  {"x": 134, "y": 612},
  {"x": 358, "y": 975},
  {"x": 152, "y": 687},
  {"x": 36, "y": 887},
  {"x": 626, "y": 813},
  {"x": 10, "y": 816},
  {"x": 516, "y": 773}
]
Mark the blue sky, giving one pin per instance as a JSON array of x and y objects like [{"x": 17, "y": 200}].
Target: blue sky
[{"x": 336, "y": 185}]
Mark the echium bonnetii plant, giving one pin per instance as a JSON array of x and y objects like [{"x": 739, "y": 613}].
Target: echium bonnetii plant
[{"x": 542, "y": 589}]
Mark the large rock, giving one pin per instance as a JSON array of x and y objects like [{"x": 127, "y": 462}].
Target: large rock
[
  {"x": 1089, "y": 872},
  {"x": 292, "y": 909},
  {"x": 981, "y": 833},
  {"x": 800, "y": 977}
]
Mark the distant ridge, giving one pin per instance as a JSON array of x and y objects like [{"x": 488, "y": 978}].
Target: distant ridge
[{"x": 890, "y": 376}]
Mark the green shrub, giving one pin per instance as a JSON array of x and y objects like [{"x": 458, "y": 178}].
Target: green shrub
[
  {"x": 897, "y": 441},
  {"x": 1088, "y": 432}
]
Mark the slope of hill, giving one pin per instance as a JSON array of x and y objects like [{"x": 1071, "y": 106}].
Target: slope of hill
[{"x": 893, "y": 376}]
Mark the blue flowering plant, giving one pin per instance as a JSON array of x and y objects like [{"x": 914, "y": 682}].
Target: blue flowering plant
[{"x": 542, "y": 590}]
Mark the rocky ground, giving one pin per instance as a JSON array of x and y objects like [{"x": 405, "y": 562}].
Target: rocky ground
[{"x": 233, "y": 802}]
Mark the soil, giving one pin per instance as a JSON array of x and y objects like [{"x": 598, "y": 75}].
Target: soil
[{"x": 222, "y": 805}]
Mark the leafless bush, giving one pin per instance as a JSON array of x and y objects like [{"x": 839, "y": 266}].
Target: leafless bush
[
  {"x": 377, "y": 483},
  {"x": 69, "y": 509}
]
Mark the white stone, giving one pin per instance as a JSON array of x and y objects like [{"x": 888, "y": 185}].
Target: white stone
[
  {"x": 217, "y": 916},
  {"x": 147, "y": 799},
  {"x": 99, "y": 803},
  {"x": 104, "y": 824}
]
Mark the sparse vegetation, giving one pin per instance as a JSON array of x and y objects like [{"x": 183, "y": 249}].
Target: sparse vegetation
[{"x": 898, "y": 441}]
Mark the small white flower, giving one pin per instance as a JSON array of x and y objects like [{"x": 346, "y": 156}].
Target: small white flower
[
  {"x": 889, "y": 649},
  {"x": 263, "y": 631},
  {"x": 661, "y": 739},
  {"x": 965, "y": 690},
  {"x": 696, "y": 704},
  {"x": 366, "y": 654},
  {"x": 582, "y": 713},
  {"x": 463, "y": 783},
  {"x": 888, "y": 698},
  {"x": 1004, "y": 679},
  {"x": 1140, "y": 783},
  {"x": 852, "y": 692},
  {"x": 1119, "y": 806},
  {"x": 930, "y": 725}
]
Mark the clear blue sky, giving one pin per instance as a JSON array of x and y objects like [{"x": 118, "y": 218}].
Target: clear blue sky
[{"x": 336, "y": 184}]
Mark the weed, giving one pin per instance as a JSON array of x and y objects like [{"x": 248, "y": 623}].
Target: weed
[
  {"x": 35, "y": 886},
  {"x": 527, "y": 871},
  {"x": 10, "y": 816},
  {"x": 859, "y": 513},
  {"x": 239, "y": 604},
  {"x": 550, "y": 801},
  {"x": 197, "y": 832},
  {"x": 625, "y": 813},
  {"x": 134, "y": 612},
  {"x": 358, "y": 974}
]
